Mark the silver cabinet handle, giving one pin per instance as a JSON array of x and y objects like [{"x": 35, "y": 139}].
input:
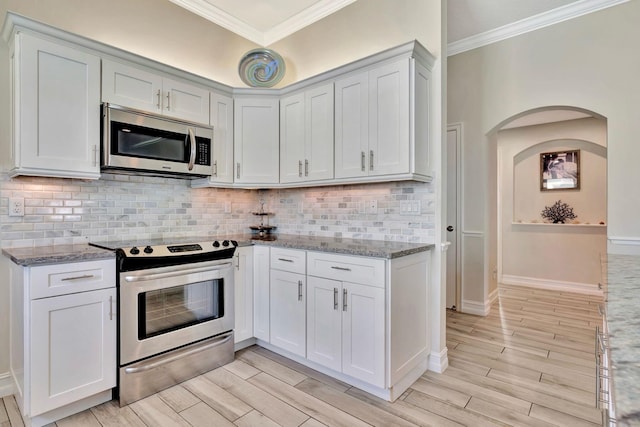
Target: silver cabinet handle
[
  {"x": 300, "y": 168},
  {"x": 238, "y": 170},
  {"x": 371, "y": 160},
  {"x": 362, "y": 156},
  {"x": 215, "y": 168},
  {"x": 344, "y": 300},
  {"x": 84, "y": 276},
  {"x": 299, "y": 290},
  {"x": 306, "y": 167},
  {"x": 285, "y": 260},
  {"x": 110, "y": 308},
  {"x": 340, "y": 268},
  {"x": 95, "y": 155},
  {"x": 192, "y": 154},
  {"x": 335, "y": 298},
  {"x": 238, "y": 262},
  {"x": 168, "y": 100},
  {"x": 158, "y": 95}
]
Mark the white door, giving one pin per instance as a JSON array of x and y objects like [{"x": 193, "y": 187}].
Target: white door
[
  {"x": 243, "y": 287},
  {"x": 261, "y": 292},
  {"x": 256, "y": 134},
  {"x": 292, "y": 138},
  {"x": 58, "y": 96},
  {"x": 351, "y": 125},
  {"x": 389, "y": 119},
  {"x": 287, "y": 311},
  {"x": 131, "y": 87},
  {"x": 222, "y": 121},
  {"x": 363, "y": 333},
  {"x": 72, "y": 359},
  {"x": 319, "y": 133},
  {"x": 324, "y": 322},
  {"x": 452, "y": 233}
]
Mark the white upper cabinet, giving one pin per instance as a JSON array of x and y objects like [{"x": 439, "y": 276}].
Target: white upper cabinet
[
  {"x": 256, "y": 140},
  {"x": 222, "y": 122},
  {"x": 56, "y": 110},
  {"x": 144, "y": 90},
  {"x": 382, "y": 123},
  {"x": 306, "y": 135}
]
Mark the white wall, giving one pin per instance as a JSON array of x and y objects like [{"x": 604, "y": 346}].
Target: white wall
[
  {"x": 584, "y": 62},
  {"x": 560, "y": 256}
]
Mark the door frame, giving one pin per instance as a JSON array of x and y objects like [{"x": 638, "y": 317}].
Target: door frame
[{"x": 457, "y": 127}]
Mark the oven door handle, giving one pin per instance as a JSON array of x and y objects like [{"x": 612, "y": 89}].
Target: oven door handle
[
  {"x": 222, "y": 339},
  {"x": 181, "y": 272},
  {"x": 192, "y": 144}
]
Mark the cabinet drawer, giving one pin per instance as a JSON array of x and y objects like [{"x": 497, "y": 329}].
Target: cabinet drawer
[
  {"x": 60, "y": 279},
  {"x": 292, "y": 260},
  {"x": 346, "y": 268}
]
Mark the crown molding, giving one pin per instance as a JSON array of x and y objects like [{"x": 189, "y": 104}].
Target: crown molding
[
  {"x": 541, "y": 20},
  {"x": 307, "y": 17}
]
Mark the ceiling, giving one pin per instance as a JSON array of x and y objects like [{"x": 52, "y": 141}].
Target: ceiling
[{"x": 470, "y": 24}]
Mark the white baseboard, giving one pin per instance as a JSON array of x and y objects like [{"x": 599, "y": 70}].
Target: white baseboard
[
  {"x": 479, "y": 308},
  {"x": 438, "y": 362},
  {"x": 623, "y": 245},
  {"x": 553, "y": 285},
  {"x": 6, "y": 384},
  {"x": 493, "y": 296}
]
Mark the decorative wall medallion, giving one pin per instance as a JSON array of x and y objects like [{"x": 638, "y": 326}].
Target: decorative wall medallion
[{"x": 261, "y": 68}]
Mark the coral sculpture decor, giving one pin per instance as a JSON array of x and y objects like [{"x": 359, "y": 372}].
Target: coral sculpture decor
[{"x": 558, "y": 213}]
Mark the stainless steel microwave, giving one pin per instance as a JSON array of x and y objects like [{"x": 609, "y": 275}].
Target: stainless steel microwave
[{"x": 139, "y": 142}]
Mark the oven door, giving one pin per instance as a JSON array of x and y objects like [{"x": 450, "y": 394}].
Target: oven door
[{"x": 168, "y": 307}]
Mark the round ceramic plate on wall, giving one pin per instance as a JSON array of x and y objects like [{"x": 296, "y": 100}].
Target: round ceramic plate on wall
[{"x": 261, "y": 68}]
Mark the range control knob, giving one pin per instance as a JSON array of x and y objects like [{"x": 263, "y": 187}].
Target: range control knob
[
  {"x": 234, "y": 243},
  {"x": 148, "y": 250},
  {"x": 134, "y": 251},
  {"x": 216, "y": 244},
  {"x": 225, "y": 243}
]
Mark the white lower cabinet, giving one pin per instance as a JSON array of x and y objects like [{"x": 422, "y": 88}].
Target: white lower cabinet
[
  {"x": 345, "y": 328},
  {"x": 63, "y": 338},
  {"x": 288, "y": 310},
  {"x": 243, "y": 293},
  {"x": 261, "y": 292}
]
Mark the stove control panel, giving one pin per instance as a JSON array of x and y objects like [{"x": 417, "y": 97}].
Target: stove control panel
[{"x": 177, "y": 250}]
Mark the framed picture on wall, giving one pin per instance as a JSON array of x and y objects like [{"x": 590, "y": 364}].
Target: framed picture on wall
[{"x": 560, "y": 170}]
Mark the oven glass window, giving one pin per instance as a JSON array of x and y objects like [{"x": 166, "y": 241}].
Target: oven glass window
[
  {"x": 169, "y": 309},
  {"x": 139, "y": 141}
]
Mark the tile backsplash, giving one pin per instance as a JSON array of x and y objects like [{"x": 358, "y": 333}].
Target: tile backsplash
[{"x": 127, "y": 207}]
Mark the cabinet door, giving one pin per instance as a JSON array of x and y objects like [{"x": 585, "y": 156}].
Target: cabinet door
[
  {"x": 288, "y": 330},
  {"x": 389, "y": 119},
  {"x": 324, "y": 322},
  {"x": 261, "y": 292},
  {"x": 351, "y": 126},
  {"x": 222, "y": 122},
  {"x": 292, "y": 138},
  {"x": 131, "y": 87},
  {"x": 243, "y": 286},
  {"x": 185, "y": 101},
  {"x": 319, "y": 133},
  {"x": 256, "y": 140},
  {"x": 72, "y": 359},
  {"x": 57, "y": 97},
  {"x": 363, "y": 332}
]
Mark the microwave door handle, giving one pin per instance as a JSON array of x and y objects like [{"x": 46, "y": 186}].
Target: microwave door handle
[{"x": 192, "y": 155}]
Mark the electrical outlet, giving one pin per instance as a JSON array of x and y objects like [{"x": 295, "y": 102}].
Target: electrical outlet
[
  {"x": 227, "y": 207},
  {"x": 300, "y": 207},
  {"x": 16, "y": 206}
]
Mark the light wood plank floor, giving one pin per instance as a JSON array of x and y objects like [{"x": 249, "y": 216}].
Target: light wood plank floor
[{"x": 529, "y": 363}]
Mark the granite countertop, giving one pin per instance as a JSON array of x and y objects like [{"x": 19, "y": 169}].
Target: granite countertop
[
  {"x": 56, "y": 254},
  {"x": 82, "y": 252},
  {"x": 622, "y": 294}
]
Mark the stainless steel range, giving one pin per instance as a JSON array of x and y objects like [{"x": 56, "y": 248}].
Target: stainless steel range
[{"x": 176, "y": 314}]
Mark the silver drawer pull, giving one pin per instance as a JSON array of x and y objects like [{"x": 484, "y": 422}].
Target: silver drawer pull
[
  {"x": 335, "y": 298},
  {"x": 285, "y": 260},
  {"x": 85, "y": 276},
  {"x": 344, "y": 300},
  {"x": 340, "y": 268},
  {"x": 299, "y": 290},
  {"x": 110, "y": 308}
]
